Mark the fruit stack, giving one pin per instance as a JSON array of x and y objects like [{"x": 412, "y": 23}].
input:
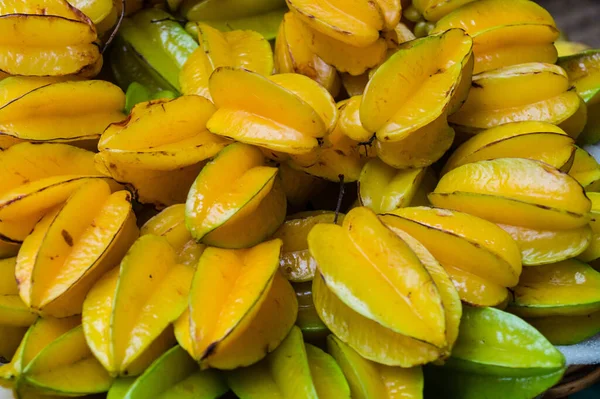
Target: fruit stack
[{"x": 294, "y": 199}]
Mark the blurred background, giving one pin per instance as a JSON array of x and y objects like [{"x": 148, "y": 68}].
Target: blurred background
[{"x": 578, "y": 19}]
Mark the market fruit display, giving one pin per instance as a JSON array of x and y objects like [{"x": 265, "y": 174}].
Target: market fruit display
[{"x": 294, "y": 199}]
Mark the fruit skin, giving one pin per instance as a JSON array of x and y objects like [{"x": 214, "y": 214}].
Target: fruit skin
[
  {"x": 70, "y": 48},
  {"x": 252, "y": 307},
  {"x": 530, "y": 139},
  {"x": 372, "y": 380},
  {"x": 233, "y": 192},
  {"x": 585, "y": 170},
  {"x": 481, "y": 268},
  {"x": 266, "y": 24},
  {"x": 583, "y": 70},
  {"x": 72, "y": 247},
  {"x": 434, "y": 10},
  {"x": 308, "y": 320},
  {"x": 293, "y": 54},
  {"x": 514, "y": 191},
  {"x": 524, "y": 33},
  {"x": 567, "y": 288},
  {"x": 50, "y": 109},
  {"x": 478, "y": 369},
  {"x": 173, "y": 375},
  {"x": 127, "y": 314},
  {"x": 164, "y": 45},
  {"x": 294, "y": 370},
  {"x": 237, "y": 49},
  {"x": 509, "y": 94},
  {"x": 197, "y": 10},
  {"x": 567, "y": 330},
  {"x": 305, "y": 111}
]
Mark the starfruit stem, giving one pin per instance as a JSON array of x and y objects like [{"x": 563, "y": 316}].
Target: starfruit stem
[
  {"x": 117, "y": 26},
  {"x": 340, "y": 198}
]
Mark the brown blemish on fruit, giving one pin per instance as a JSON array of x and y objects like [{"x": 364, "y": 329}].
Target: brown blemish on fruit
[{"x": 67, "y": 237}]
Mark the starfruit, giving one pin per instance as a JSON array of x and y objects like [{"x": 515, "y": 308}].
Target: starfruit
[
  {"x": 339, "y": 157},
  {"x": 567, "y": 330},
  {"x": 236, "y": 201},
  {"x": 583, "y": 70},
  {"x": 237, "y": 49},
  {"x": 434, "y": 10},
  {"x": 161, "y": 43},
  {"x": 567, "y": 288},
  {"x": 364, "y": 253},
  {"x": 50, "y": 109},
  {"x": 383, "y": 188},
  {"x": 232, "y": 12},
  {"x": 295, "y": 370},
  {"x": 481, "y": 259},
  {"x": 170, "y": 224},
  {"x": 356, "y": 22},
  {"x": 585, "y": 170},
  {"x": 515, "y": 191},
  {"x": 566, "y": 47},
  {"x": 127, "y": 314},
  {"x": 162, "y": 141},
  {"x": 296, "y": 263},
  {"x": 308, "y": 319},
  {"x": 52, "y": 351},
  {"x": 47, "y": 38},
  {"x": 293, "y": 54},
  {"x": 267, "y": 24},
  {"x": 497, "y": 356},
  {"x": 290, "y": 116},
  {"x": 540, "y": 141},
  {"x": 525, "y": 92},
  {"x": 368, "y": 379},
  {"x": 541, "y": 247},
  {"x": 354, "y": 85},
  {"x": 298, "y": 186},
  {"x": 240, "y": 307},
  {"x": 72, "y": 246},
  {"x": 15, "y": 316},
  {"x": 410, "y": 119},
  {"x": 173, "y": 375},
  {"x": 502, "y": 36},
  {"x": 35, "y": 178},
  {"x": 592, "y": 252}
]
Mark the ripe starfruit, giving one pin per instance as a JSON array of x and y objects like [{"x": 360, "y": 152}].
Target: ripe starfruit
[
  {"x": 240, "y": 307},
  {"x": 293, "y": 54},
  {"x": 174, "y": 374},
  {"x": 51, "y": 109},
  {"x": 540, "y": 141},
  {"x": 291, "y": 115},
  {"x": 72, "y": 246},
  {"x": 295, "y": 370},
  {"x": 35, "y": 178},
  {"x": 364, "y": 253},
  {"x": 383, "y": 188},
  {"x": 585, "y": 170},
  {"x": 525, "y": 92},
  {"x": 368, "y": 379},
  {"x": 481, "y": 259},
  {"x": 52, "y": 351},
  {"x": 127, "y": 314},
  {"x": 592, "y": 252},
  {"x": 515, "y": 191},
  {"x": 299, "y": 187},
  {"x": 236, "y": 201},
  {"x": 47, "y": 38},
  {"x": 497, "y": 356},
  {"x": 410, "y": 119},
  {"x": 502, "y": 36},
  {"x": 237, "y": 49},
  {"x": 162, "y": 141},
  {"x": 170, "y": 224},
  {"x": 567, "y": 288},
  {"x": 162, "y": 44},
  {"x": 296, "y": 263},
  {"x": 567, "y": 330},
  {"x": 15, "y": 316},
  {"x": 434, "y": 10}
]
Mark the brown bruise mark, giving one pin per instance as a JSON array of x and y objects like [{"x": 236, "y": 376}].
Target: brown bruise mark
[{"x": 67, "y": 237}]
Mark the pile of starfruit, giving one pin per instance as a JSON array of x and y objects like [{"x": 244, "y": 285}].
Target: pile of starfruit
[{"x": 294, "y": 199}]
